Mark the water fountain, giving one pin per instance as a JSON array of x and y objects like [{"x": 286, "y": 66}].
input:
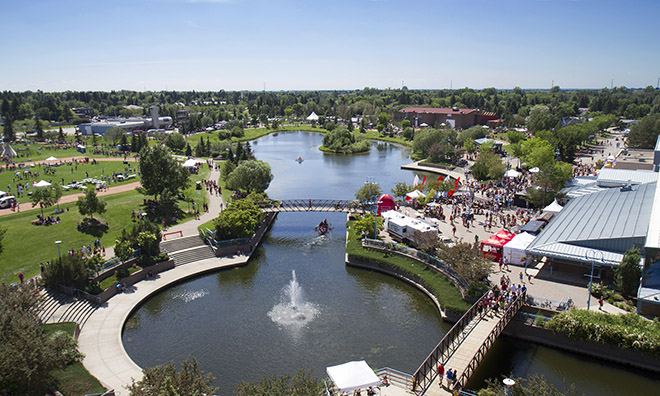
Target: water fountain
[{"x": 293, "y": 312}]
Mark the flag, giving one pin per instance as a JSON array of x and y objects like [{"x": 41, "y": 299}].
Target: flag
[
  {"x": 441, "y": 179},
  {"x": 416, "y": 180},
  {"x": 424, "y": 181},
  {"x": 408, "y": 198}
]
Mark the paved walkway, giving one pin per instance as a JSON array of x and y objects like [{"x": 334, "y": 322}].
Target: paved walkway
[{"x": 100, "y": 339}]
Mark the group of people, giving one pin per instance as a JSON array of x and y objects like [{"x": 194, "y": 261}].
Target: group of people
[
  {"x": 452, "y": 376},
  {"x": 46, "y": 220}
]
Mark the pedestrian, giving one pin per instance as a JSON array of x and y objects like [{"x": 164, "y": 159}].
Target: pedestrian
[
  {"x": 43, "y": 268},
  {"x": 441, "y": 373},
  {"x": 521, "y": 277},
  {"x": 449, "y": 377},
  {"x": 20, "y": 276},
  {"x": 529, "y": 278},
  {"x": 600, "y": 303}
]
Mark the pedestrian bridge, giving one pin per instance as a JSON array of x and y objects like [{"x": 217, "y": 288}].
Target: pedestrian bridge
[
  {"x": 463, "y": 347},
  {"x": 313, "y": 205}
]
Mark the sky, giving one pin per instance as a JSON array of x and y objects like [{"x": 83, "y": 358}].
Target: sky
[{"x": 210, "y": 45}]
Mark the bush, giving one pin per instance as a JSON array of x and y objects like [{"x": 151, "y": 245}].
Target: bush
[{"x": 122, "y": 273}]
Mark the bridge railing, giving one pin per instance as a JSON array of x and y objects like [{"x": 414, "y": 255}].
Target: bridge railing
[
  {"x": 423, "y": 377},
  {"x": 316, "y": 205},
  {"x": 485, "y": 347},
  {"x": 419, "y": 255}
]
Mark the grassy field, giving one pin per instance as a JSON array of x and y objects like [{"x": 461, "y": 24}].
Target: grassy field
[
  {"x": 68, "y": 173},
  {"x": 75, "y": 379},
  {"x": 27, "y": 245}
]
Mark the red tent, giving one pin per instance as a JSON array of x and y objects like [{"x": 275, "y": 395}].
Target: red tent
[
  {"x": 385, "y": 203},
  {"x": 491, "y": 248}
]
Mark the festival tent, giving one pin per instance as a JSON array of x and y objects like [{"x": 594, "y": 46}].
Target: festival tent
[
  {"x": 51, "y": 158},
  {"x": 534, "y": 170},
  {"x": 41, "y": 183},
  {"x": 191, "y": 163},
  {"x": 512, "y": 173},
  {"x": 352, "y": 375},
  {"x": 554, "y": 208},
  {"x": 385, "y": 203},
  {"x": 313, "y": 117},
  {"x": 491, "y": 248},
  {"x": 413, "y": 195},
  {"x": 514, "y": 250}
]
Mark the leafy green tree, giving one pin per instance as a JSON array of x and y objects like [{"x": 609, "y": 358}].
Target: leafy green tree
[
  {"x": 28, "y": 355},
  {"x": 167, "y": 380},
  {"x": 301, "y": 384},
  {"x": 432, "y": 141},
  {"x": 408, "y": 133},
  {"x": 369, "y": 192},
  {"x": 364, "y": 225},
  {"x": 123, "y": 249},
  {"x": 175, "y": 141},
  {"x": 89, "y": 203},
  {"x": 8, "y": 130},
  {"x": 69, "y": 270},
  {"x": 39, "y": 128},
  {"x": 250, "y": 176},
  {"x": 57, "y": 193},
  {"x": 515, "y": 137},
  {"x": 541, "y": 118},
  {"x": 469, "y": 145},
  {"x": 466, "y": 259},
  {"x": 536, "y": 152},
  {"x": 488, "y": 165},
  {"x": 113, "y": 135},
  {"x": 237, "y": 131},
  {"x": 645, "y": 134},
  {"x": 238, "y": 220},
  {"x": 42, "y": 196},
  {"x": 549, "y": 181},
  {"x": 61, "y": 135},
  {"x": 340, "y": 140},
  {"x": 627, "y": 275},
  {"x": 162, "y": 176},
  {"x": 401, "y": 189}
]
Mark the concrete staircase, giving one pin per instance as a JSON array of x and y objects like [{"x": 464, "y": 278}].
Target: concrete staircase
[
  {"x": 56, "y": 307},
  {"x": 187, "y": 250}
]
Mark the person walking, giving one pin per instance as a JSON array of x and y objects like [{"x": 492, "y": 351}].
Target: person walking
[
  {"x": 441, "y": 373},
  {"x": 600, "y": 303}
]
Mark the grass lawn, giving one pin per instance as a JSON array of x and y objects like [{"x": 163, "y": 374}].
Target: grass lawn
[
  {"x": 75, "y": 379},
  {"x": 447, "y": 294},
  {"x": 68, "y": 173}
]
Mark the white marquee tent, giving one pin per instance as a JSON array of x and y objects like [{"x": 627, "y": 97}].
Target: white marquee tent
[
  {"x": 191, "y": 163},
  {"x": 534, "y": 170},
  {"x": 313, "y": 117},
  {"x": 514, "y": 251},
  {"x": 352, "y": 375},
  {"x": 512, "y": 173},
  {"x": 554, "y": 208},
  {"x": 51, "y": 158},
  {"x": 41, "y": 183}
]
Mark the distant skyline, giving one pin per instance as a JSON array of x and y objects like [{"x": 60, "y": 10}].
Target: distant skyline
[{"x": 209, "y": 45}]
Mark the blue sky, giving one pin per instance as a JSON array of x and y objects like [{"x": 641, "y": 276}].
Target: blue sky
[{"x": 327, "y": 44}]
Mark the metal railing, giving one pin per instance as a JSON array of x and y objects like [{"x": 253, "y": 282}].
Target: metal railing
[
  {"x": 423, "y": 377},
  {"x": 313, "y": 205},
  {"x": 396, "y": 377},
  {"x": 419, "y": 256},
  {"x": 483, "y": 349}
]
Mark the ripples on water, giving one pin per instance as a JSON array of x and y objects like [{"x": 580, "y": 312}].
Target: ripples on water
[{"x": 190, "y": 295}]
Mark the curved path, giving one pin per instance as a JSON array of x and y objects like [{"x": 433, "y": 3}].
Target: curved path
[{"x": 100, "y": 339}]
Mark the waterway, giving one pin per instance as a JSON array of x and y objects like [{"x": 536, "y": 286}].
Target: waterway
[{"x": 226, "y": 319}]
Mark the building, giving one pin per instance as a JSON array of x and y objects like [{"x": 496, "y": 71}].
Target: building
[
  {"x": 457, "y": 118},
  {"x": 129, "y": 124},
  {"x": 182, "y": 117},
  {"x": 83, "y": 112}
]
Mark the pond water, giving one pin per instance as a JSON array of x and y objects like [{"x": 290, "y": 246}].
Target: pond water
[{"x": 241, "y": 325}]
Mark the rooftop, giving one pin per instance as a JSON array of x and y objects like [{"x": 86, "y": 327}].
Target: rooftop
[{"x": 437, "y": 110}]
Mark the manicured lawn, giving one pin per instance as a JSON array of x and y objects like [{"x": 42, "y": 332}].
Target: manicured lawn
[
  {"x": 75, "y": 379},
  {"x": 68, "y": 173}
]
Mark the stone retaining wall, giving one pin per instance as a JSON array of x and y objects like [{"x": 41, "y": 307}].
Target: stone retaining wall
[
  {"x": 247, "y": 248},
  {"x": 134, "y": 278}
]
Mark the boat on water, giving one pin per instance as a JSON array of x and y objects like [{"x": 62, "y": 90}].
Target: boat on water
[
  {"x": 323, "y": 227},
  {"x": 299, "y": 160}
]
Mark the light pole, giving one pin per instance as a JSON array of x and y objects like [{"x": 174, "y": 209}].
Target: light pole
[
  {"x": 59, "y": 252},
  {"x": 371, "y": 183},
  {"x": 591, "y": 255}
]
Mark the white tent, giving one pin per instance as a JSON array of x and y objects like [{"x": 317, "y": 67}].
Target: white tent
[
  {"x": 514, "y": 251},
  {"x": 313, "y": 117},
  {"x": 414, "y": 194},
  {"x": 534, "y": 170},
  {"x": 191, "y": 163},
  {"x": 42, "y": 183},
  {"x": 51, "y": 158},
  {"x": 554, "y": 208},
  {"x": 352, "y": 375},
  {"x": 512, "y": 173}
]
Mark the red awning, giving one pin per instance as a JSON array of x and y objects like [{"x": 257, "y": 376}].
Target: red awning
[{"x": 501, "y": 238}]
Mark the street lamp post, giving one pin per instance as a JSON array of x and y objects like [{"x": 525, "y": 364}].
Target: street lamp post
[
  {"x": 59, "y": 252},
  {"x": 591, "y": 255}
]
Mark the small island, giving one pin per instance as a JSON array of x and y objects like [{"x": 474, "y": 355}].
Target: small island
[{"x": 341, "y": 141}]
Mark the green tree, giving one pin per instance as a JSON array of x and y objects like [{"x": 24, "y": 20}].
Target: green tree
[
  {"x": 369, "y": 192},
  {"x": 238, "y": 220},
  {"x": 175, "y": 141},
  {"x": 8, "y": 130},
  {"x": 515, "y": 137},
  {"x": 541, "y": 118},
  {"x": 469, "y": 145},
  {"x": 549, "y": 181},
  {"x": 123, "y": 249},
  {"x": 68, "y": 270},
  {"x": 627, "y": 275},
  {"x": 89, "y": 203},
  {"x": 61, "y": 135},
  {"x": 301, "y": 384},
  {"x": 645, "y": 134},
  {"x": 113, "y": 135},
  {"x": 167, "y": 380},
  {"x": 162, "y": 176},
  {"x": 28, "y": 355},
  {"x": 488, "y": 165},
  {"x": 537, "y": 152},
  {"x": 466, "y": 259},
  {"x": 364, "y": 225},
  {"x": 42, "y": 196},
  {"x": 250, "y": 176},
  {"x": 39, "y": 128},
  {"x": 57, "y": 193},
  {"x": 401, "y": 189},
  {"x": 340, "y": 140}
]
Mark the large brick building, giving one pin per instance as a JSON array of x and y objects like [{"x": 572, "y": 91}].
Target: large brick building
[{"x": 457, "y": 118}]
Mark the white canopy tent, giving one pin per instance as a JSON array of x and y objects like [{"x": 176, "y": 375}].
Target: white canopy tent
[
  {"x": 352, "y": 375},
  {"x": 191, "y": 163},
  {"x": 553, "y": 208},
  {"x": 512, "y": 173},
  {"x": 514, "y": 251},
  {"x": 51, "y": 158},
  {"x": 313, "y": 117},
  {"x": 534, "y": 170},
  {"x": 41, "y": 183}
]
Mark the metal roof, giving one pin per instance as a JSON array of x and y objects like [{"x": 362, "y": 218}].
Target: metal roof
[
  {"x": 611, "y": 221},
  {"x": 580, "y": 190},
  {"x": 613, "y": 176}
]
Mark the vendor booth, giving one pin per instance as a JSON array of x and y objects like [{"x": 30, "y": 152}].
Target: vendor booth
[
  {"x": 514, "y": 251},
  {"x": 352, "y": 376},
  {"x": 491, "y": 248}
]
